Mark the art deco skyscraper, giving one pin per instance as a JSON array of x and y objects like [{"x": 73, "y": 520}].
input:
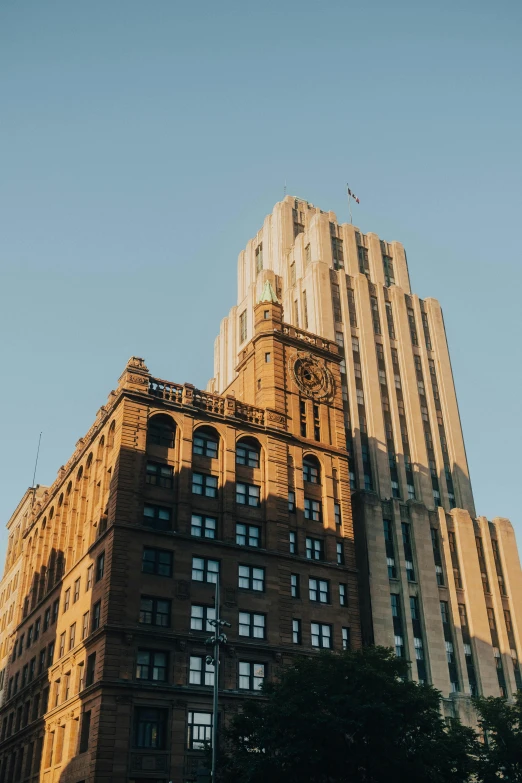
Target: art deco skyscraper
[{"x": 432, "y": 577}]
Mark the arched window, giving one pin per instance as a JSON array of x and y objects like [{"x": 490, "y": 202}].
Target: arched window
[
  {"x": 248, "y": 452},
  {"x": 110, "y": 435},
  {"x": 206, "y": 442},
  {"x": 160, "y": 431},
  {"x": 89, "y": 461},
  {"x": 311, "y": 470}
]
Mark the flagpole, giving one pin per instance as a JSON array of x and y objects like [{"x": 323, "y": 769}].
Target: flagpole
[{"x": 349, "y": 204}]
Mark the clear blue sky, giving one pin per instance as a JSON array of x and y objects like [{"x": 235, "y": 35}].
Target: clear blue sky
[{"x": 142, "y": 144}]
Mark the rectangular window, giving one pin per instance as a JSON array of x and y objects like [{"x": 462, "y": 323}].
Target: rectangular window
[
  {"x": 308, "y": 255},
  {"x": 346, "y": 638},
  {"x": 160, "y": 475},
  {"x": 314, "y": 549},
  {"x": 294, "y": 585},
  {"x": 292, "y": 542},
  {"x": 157, "y": 517},
  {"x": 252, "y": 625},
  {"x": 199, "y": 730},
  {"x": 204, "y": 445},
  {"x": 30, "y": 637},
  {"x": 248, "y": 495},
  {"x": 251, "y": 676},
  {"x": 200, "y": 672},
  {"x": 310, "y": 472},
  {"x": 76, "y": 593},
  {"x": 100, "y": 566},
  {"x": 62, "y": 645},
  {"x": 85, "y": 625},
  {"x": 91, "y": 667},
  {"x": 340, "y": 553},
  {"x": 203, "y": 527},
  {"x": 37, "y": 629},
  {"x": 156, "y": 561},
  {"x": 250, "y": 578},
  {"x": 67, "y": 599},
  {"x": 297, "y": 637},
  {"x": 204, "y": 484},
  {"x": 319, "y": 590},
  {"x": 343, "y": 594},
  {"x": 90, "y": 572},
  {"x": 337, "y": 513},
  {"x": 47, "y": 618},
  {"x": 150, "y": 728},
  {"x": 242, "y": 327},
  {"x": 151, "y": 665},
  {"x": 200, "y": 616},
  {"x": 50, "y": 654},
  {"x": 312, "y": 509},
  {"x": 154, "y": 611},
  {"x": 96, "y": 612},
  {"x": 321, "y": 635},
  {"x": 205, "y": 570},
  {"x": 248, "y": 535},
  {"x": 85, "y": 732},
  {"x": 246, "y": 455},
  {"x": 291, "y": 502},
  {"x": 72, "y": 636}
]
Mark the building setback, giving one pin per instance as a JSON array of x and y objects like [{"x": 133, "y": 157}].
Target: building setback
[
  {"x": 171, "y": 489},
  {"x": 437, "y": 583}
]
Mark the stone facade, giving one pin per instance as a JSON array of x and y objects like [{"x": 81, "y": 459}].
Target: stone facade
[
  {"x": 423, "y": 556},
  {"x": 106, "y": 678}
]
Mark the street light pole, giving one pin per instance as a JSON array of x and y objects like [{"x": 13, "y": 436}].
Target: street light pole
[{"x": 216, "y": 641}]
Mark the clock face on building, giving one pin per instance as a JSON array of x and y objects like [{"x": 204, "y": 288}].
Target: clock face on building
[{"x": 312, "y": 376}]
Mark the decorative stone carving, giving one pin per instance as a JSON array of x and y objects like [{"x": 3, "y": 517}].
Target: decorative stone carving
[{"x": 312, "y": 376}]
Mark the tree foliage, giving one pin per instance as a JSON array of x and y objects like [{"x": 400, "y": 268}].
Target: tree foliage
[
  {"x": 501, "y": 757},
  {"x": 352, "y": 716}
]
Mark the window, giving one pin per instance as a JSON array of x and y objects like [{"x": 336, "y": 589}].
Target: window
[
  {"x": 251, "y": 578},
  {"x": 160, "y": 475},
  {"x": 294, "y": 585},
  {"x": 150, "y": 728},
  {"x": 395, "y": 604},
  {"x": 156, "y": 561},
  {"x": 308, "y": 255},
  {"x": 72, "y": 636},
  {"x": 203, "y": 527},
  {"x": 346, "y": 638},
  {"x": 30, "y": 636},
  {"x": 200, "y": 616},
  {"x": 291, "y": 502},
  {"x": 199, "y": 731},
  {"x": 292, "y": 273},
  {"x": 440, "y": 575},
  {"x": 96, "y": 611},
  {"x": 297, "y": 637},
  {"x": 67, "y": 599},
  {"x": 47, "y": 618},
  {"x": 204, "y": 484},
  {"x": 41, "y": 661},
  {"x": 154, "y": 611},
  {"x": 292, "y": 542},
  {"x": 205, "y": 445},
  {"x": 340, "y": 553},
  {"x": 337, "y": 513},
  {"x": 247, "y": 535},
  {"x": 200, "y": 672},
  {"x": 76, "y": 593},
  {"x": 62, "y": 645},
  {"x": 90, "y": 571},
  {"x": 247, "y": 455},
  {"x": 100, "y": 566},
  {"x": 205, "y": 570},
  {"x": 399, "y": 646},
  {"x": 321, "y": 635},
  {"x": 319, "y": 590},
  {"x": 251, "y": 676},
  {"x": 50, "y": 654},
  {"x": 85, "y": 732},
  {"x": 160, "y": 431},
  {"x": 85, "y": 625},
  {"x": 252, "y": 625},
  {"x": 156, "y": 517},
  {"x": 242, "y": 327},
  {"x": 444, "y": 612},
  {"x": 343, "y": 594},
  {"x": 151, "y": 665},
  {"x": 310, "y": 470},
  {"x": 259, "y": 257},
  {"x": 91, "y": 666},
  {"x": 314, "y": 549},
  {"x": 248, "y": 495},
  {"x": 312, "y": 509}
]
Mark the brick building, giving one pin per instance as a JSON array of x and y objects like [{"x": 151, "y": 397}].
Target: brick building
[{"x": 171, "y": 489}]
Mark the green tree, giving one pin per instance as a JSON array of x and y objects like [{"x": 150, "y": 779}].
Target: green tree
[
  {"x": 501, "y": 757},
  {"x": 351, "y": 717}
]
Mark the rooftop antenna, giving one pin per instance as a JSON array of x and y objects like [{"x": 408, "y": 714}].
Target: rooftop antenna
[
  {"x": 36, "y": 462},
  {"x": 284, "y": 189}
]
